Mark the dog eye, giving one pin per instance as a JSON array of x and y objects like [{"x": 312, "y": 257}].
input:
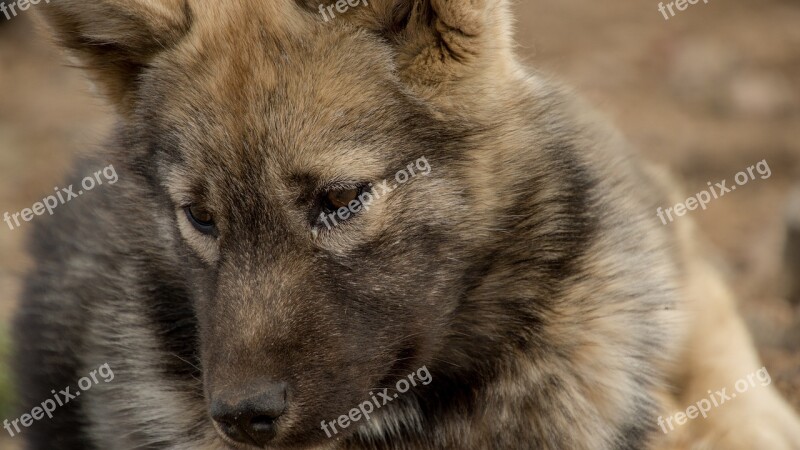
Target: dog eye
[
  {"x": 200, "y": 218},
  {"x": 340, "y": 198}
]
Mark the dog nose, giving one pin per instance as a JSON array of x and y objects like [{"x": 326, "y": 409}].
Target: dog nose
[{"x": 252, "y": 420}]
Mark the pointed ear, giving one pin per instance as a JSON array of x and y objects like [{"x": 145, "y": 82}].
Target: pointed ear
[
  {"x": 115, "y": 39},
  {"x": 439, "y": 40}
]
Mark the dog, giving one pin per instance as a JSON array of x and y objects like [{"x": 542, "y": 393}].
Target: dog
[{"x": 526, "y": 272}]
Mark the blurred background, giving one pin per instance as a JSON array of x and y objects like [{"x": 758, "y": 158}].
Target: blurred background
[{"x": 709, "y": 92}]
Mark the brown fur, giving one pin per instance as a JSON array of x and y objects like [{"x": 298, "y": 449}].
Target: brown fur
[{"x": 528, "y": 271}]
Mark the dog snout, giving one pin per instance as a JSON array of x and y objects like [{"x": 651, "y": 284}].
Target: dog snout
[{"x": 251, "y": 419}]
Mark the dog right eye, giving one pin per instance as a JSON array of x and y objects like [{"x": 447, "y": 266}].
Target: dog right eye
[
  {"x": 340, "y": 198},
  {"x": 200, "y": 218}
]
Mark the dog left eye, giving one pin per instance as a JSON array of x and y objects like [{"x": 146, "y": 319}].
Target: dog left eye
[{"x": 200, "y": 218}]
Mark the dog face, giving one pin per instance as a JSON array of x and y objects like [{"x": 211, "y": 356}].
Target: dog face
[
  {"x": 312, "y": 203},
  {"x": 312, "y": 183}
]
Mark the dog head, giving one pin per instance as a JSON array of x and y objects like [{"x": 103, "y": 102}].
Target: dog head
[{"x": 311, "y": 166}]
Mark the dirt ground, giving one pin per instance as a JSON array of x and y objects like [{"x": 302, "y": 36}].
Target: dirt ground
[{"x": 709, "y": 92}]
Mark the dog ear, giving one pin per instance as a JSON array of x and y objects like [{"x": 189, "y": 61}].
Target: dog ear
[
  {"x": 114, "y": 40},
  {"x": 439, "y": 40}
]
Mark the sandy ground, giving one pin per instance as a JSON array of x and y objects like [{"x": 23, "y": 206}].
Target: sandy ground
[{"x": 708, "y": 92}]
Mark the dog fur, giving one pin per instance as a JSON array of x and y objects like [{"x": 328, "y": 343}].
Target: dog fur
[{"x": 528, "y": 271}]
